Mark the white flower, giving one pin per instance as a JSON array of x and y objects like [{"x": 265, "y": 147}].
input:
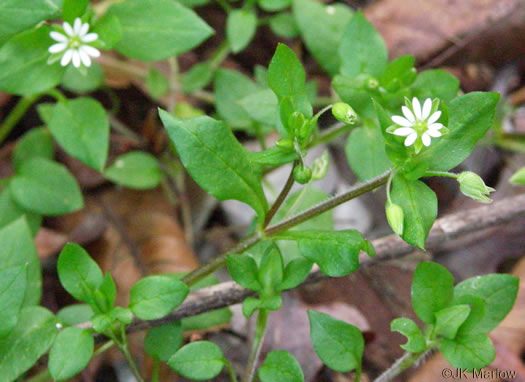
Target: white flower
[
  {"x": 418, "y": 122},
  {"x": 74, "y": 44}
]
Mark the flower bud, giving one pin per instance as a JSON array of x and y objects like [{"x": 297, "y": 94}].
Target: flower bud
[
  {"x": 302, "y": 174},
  {"x": 343, "y": 112},
  {"x": 395, "y": 216},
  {"x": 320, "y": 166},
  {"x": 472, "y": 185}
]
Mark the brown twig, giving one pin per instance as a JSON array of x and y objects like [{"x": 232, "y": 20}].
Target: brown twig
[{"x": 387, "y": 248}]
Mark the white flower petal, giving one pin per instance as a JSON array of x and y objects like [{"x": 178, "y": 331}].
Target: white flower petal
[
  {"x": 416, "y": 107},
  {"x": 398, "y": 120},
  {"x": 66, "y": 57},
  {"x": 58, "y": 36},
  {"x": 426, "y": 139},
  {"x": 434, "y": 117},
  {"x": 411, "y": 139},
  {"x": 433, "y": 133},
  {"x": 77, "y": 25},
  {"x": 408, "y": 114},
  {"x": 93, "y": 52},
  {"x": 55, "y": 48},
  {"x": 90, "y": 37},
  {"x": 76, "y": 58},
  {"x": 68, "y": 29},
  {"x": 83, "y": 30},
  {"x": 435, "y": 126},
  {"x": 427, "y": 108},
  {"x": 84, "y": 57},
  {"x": 404, "y": 131}
]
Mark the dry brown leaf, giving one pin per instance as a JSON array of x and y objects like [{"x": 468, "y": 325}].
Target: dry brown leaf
[{"x": 49, "y": 242}]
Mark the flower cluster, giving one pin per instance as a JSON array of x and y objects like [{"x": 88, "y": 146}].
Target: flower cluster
[{"x": 73, "y": 44}]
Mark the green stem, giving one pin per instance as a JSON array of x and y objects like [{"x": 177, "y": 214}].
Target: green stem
[
  {"x": 260, "y": 327},
  {"x": 56, "y": 94},
  {"x": 224, "y": 5},
  {"x": 329, "y": 134},
  {"x": 155, "y": 372},
  {"x": 322, "y": 207},
  {"x": 403, "y": 363},
  {"x": 445, "y": 174},
  {"x": 124, "y": 349},
  {"x": 220, "y": 54},
  {"x": 103, "y": 348},
  {"x": 16, "y": 114},
  {"x": 280, "y": 199},
  {"x": 230, "y": 370}
]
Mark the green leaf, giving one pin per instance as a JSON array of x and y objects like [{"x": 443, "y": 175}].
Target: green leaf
[
  {"x": 153, "y": 30},
  {"x": 18, "y": 249},
  {"x": 81, "y": 128},
  {"x": 75, "y": 314},
  {"x": 137, "y": 169},
  {"x": 322, "y": 28},
  {"x": 157, "y": 83},
  {"x": 274, "y": 156},
  {"x": 243, "y": 270},
  {"x": 37, "y": 142},
  {"x": 419, "y": 205},
  {"x": 261, "y": 106},
  {"x": 449, "y": 320},
  {"x": 336, "y": 252},
  {"x": 474, "y": 351},
  {"x": 338, "y": 344},
  {"x": 518, "y": 177},
  {"x": 27, "y": 342},
  {"x": 155, "y": 296},
  {"x": 286, "y": 77},
  {"x": 295, "y": 272},
  {"x": 398, "y": 73},
  {"x": 416, "y": 342},
  {"x": 85, "y": 81},
  {"x": 249, "y": 306},
  {"x": 109, "y": 31},
  {"x": 216, "y": 160},
  {"x": 281, "y": 366},
  {"x": 46, "y": 187},
  {"x": 12, "y": 289},
  {"x": 11, "y": 211},
  {"x": 362, "y": 49},
  {"x": 23, "y": 63},
  {"x": 436, "y": 83},
  {"x": 199, "y": 360},
  {"x": 230, "y": 87},
  {"x": 365, "y": 151},
  {"x": 271, "y": 270},
  {"x": 198, "y": 77},
  {"x": 477, "y": 312},
  {"x": 350, "y": 90},
  {"x": 70, "y": 353},
  {"x": 71, "y": 9},
  {"x": 499, "y": 292},
  {"x": 19, "y": 15},
  {"x": 283, "y": 25},
  {"x": 163, "y": 341},
  {"x": 79, "y": 274},
  {"x": 432, "y": 290},
  {"x": 470, "y": 118},
  {"x": 273, "y": 5},
  {"x": 241, "y": 25},
  {"x": 107, "y": 292}
]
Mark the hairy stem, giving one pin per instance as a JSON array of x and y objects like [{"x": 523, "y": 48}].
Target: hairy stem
[
  {"x": 233, "y": 377},
  {"x": 282, "y": 196},
  {"x": 260, "y": 327},
  {"x": 124, "y": 349},
  {"x": 445, "y": 174},
  {"x": 16, "y": 114},
  {"x": 401, "y": 364},
  {"x": 322, "y": 207}
]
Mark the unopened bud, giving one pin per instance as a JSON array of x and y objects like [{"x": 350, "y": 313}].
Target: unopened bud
[
  {"x": 302, "y": 174},
  {"x": 372, "y": 83},
  {"x": 320, "y": 166},
  {"x": 395, "y": 217},
  {"x": 472, "y": 185},
  {"x": 343, "y": 112},
  {"x": 295, "y": 122},
  {"x": 285, "y": 143}
]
